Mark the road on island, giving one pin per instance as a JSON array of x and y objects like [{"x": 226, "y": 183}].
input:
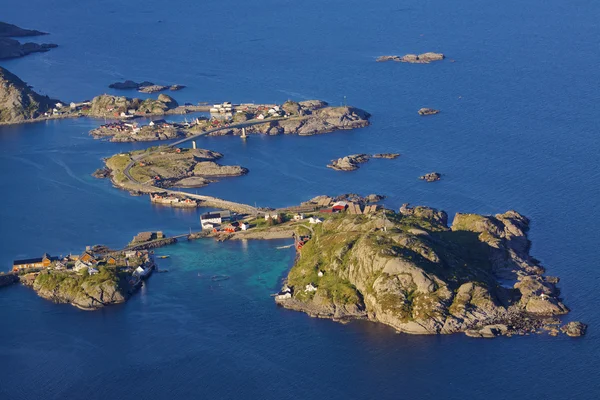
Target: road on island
[{"x": 214, "y": 201}]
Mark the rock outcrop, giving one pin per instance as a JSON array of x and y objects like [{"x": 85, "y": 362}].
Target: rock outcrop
[
  {"x": 152, "y": 88},
  {"x": 424, "y": 58},
  {"x": 11, "y": 48},
  {"x": 8, "y": 279},
  {"x": 18, "y": 102},
  {"x": 10, "y": 30},
  {"x": 389, "y": 156},
  {"x": 349, "y": 163},
  {"x": 428, "y": 111},
  {"x": 212, "y": 169},
  {"x": 127, "y": 85},
  {"x": 411, "y": 271},
  {"x": 574, "y": 329},
  {"x": 431, "y": 177},
  {"x": 88, "y": 292}
]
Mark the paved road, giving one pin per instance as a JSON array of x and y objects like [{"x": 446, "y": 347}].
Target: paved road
[
  {"x": 251, "y": 122},
  {"x": 213, "y": 201}
]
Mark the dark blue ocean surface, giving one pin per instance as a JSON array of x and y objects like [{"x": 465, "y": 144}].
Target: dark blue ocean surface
[{"x": 518, "y": 130}]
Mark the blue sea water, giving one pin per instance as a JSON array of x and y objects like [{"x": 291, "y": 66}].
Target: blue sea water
[{"x": 518, "y": 130}]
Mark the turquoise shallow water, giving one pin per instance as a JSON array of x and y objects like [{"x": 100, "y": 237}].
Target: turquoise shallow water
[{"x": 518, "y": 129}]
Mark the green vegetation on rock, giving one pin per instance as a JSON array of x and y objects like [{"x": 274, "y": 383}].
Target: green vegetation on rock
[{"x": 411, "y": 271}]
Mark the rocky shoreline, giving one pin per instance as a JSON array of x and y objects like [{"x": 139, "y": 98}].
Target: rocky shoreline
[{"x": 410, "y": 271}]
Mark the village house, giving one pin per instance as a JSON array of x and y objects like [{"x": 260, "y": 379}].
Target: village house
[
  {"x": 298, "y": 217},
  {"x": 271, "y": 216},
  {"x": 231, "y": 228},
  {"x": 244, "y": 226},
  {"x": 43, "y": 262},
  {"x": 215, "y": 217},
  {"x": 285, "y": 293},
  {"x": 314, "y": 220},
  {"x": 339, "y": 206},
  {"x": 88, "y": 258}
]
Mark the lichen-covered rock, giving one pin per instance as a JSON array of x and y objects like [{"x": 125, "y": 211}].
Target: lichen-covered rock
[
  {"x": 424, "y": 58},
  {"x": 574, "y": 329},
  {"x": 349, "y": 163},
  {"x": 88, "y": 292},
  {"x": 152, "y": 88},
  {"x": 389, "y": 156},
  {"x": 428, "y": 111},
  {"x": 431, "y": 177},
  {"x": 211, "y": 168}
]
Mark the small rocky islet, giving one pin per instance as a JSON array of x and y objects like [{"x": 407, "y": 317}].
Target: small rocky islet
[
  {"x": 351, "y": 162},
  {"x": 144, "y": 87},
  {"x": 431, "y": 177},
  {"x": 424, "y": 58}
]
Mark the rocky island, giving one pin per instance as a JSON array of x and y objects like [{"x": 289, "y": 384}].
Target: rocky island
[
  {"x": 143, "y": 87},
  {"x": 413, "y": 272},
  {"x": 305, "y": 118},
  {"x": 424, "y": 58},
  {"x": 351, "y": 162},
  {"x": 166, "y": 167},
  {"x": 11, "y": 48},
  {"x": 97, "y": 278},
  {"x": 428, "y": 111},
  {"x": 431, "y": 177}
]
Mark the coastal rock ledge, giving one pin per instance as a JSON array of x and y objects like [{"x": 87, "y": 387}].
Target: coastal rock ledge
[{"x": 410, "y": 271}]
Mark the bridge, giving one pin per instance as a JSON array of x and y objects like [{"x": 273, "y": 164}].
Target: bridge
[
  {"x": 245, "y": 124},
  {"x": 207, "y": 200}
]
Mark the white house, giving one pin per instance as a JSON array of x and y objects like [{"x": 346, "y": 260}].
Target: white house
[
  {"x": 314, "y": 220},
  {"x": 59, "y": 105},
  {"x": 208, "y": 225},
  {"x": 244, "y": 226},
  {"x": 260, "y": 116},
  {"x": 320, "y": 274},
  {"x": 92, "y": 271},
  {"x": 310, "y": 288},
  {"x": 59, "y": 266},
  {"x": 215, "y": 217},
  {"x": 283, "y": 296},
  {"x": 79, "y": 265},
  {"x": 130, "y": 253},
  {"x": 298, "y": 217},
  {"x": 140, "y": 272}
]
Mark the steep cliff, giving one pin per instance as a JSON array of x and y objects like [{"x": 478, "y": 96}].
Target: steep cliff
[
  {"x": 18, "y": 102},
  {"x": 411, "y": 271}
]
